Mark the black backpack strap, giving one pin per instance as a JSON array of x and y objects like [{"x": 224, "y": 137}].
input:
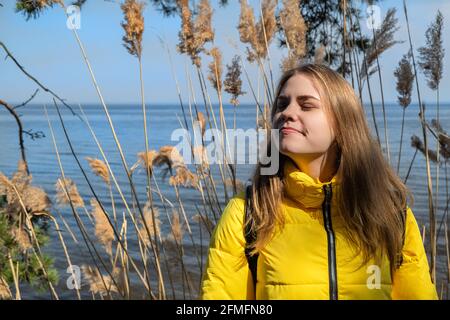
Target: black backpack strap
[{"x": 250, "y": 237}]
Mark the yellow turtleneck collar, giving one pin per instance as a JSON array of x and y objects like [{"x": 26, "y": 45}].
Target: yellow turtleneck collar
[{"x": 304, "y": 189}]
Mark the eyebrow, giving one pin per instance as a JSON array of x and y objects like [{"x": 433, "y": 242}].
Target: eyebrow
[{"x": 302, "y": 97}]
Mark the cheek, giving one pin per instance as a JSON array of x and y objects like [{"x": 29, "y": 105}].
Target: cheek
[{"x": 319, "y": 129}]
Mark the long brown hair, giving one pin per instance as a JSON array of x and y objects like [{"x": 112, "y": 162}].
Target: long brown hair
[{"x": 373, "y": 199}]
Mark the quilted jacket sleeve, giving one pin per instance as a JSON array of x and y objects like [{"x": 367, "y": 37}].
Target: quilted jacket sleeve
[
  {"x": 227, "y": 274},
  {"x": 412, "y": 280}
]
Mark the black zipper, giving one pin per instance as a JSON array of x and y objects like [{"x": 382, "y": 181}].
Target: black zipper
[{"x": 332, "y": 271}]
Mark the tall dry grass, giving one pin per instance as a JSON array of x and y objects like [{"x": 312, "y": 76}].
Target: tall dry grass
[{"x": 156, "y": 249}]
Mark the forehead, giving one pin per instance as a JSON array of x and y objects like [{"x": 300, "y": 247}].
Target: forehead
[{"x": 300, "y": 84}]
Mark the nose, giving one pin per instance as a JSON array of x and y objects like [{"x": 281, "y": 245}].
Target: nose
[{"x": 290, "y": 113}]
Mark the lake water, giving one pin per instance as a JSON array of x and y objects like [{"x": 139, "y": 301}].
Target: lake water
[{"x": 162, "y": 121}]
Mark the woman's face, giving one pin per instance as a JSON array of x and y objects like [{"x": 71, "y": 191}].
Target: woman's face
[{"x": 301, "y": 118}]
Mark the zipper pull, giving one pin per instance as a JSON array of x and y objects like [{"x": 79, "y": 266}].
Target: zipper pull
[{"x": 328, "y": 193}]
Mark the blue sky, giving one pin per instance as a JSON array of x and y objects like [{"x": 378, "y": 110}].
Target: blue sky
[{"x": 47, "y": 49}]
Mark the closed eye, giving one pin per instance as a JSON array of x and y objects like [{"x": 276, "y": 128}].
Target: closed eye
[
  {"x": 283, "y": 102},
  {"x": 307, "y": 107}
]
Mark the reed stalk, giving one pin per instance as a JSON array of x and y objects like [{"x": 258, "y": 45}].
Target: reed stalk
[
  {"x": 429, "y": 182},
  {"x": 66, "y": 253}
]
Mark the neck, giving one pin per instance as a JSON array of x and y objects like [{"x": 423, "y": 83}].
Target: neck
[{"x": 318, "y": 166}]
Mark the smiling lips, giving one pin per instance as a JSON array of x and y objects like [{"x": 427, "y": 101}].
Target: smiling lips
[{"x": 288, "y": 130}]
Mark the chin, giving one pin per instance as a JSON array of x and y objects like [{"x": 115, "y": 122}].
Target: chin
[
  {"x": 291, "y": 151},
  {"x": 291, "y": 147}
]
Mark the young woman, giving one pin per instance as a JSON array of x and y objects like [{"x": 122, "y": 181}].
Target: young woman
[{"x": 333, "y": 222}]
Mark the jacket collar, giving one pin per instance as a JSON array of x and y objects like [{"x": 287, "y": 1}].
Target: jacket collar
[{"x": 306, "y": 190}]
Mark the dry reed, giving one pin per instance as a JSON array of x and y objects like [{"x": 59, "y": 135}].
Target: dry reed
[
  {"x": 103, "y": 230},
  {"x": 5, "y": 292},
  {"x": 99, "y": 168},
  {"x": 195, "y": 34},
  {"x": 295, "y": 31},
  {"x": 258, "y": 35},
  {"x": 233, "y": 83},
  {"x": 133, "y": 26},
  {"x": 98, "y": 283},
  {"x": 20, "y": 189},
  {"x": 149, "y": 221},
  {"x": 215, "y": 69},
  {"x": 72, "y": 190},
  {"x": 431, "y": 55},
  {"x": 147, "y": 158}
]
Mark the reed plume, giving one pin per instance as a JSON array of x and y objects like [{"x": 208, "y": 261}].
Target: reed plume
[
  {"x": 173, "y": 240},
  {"x": 431, "y": 56},
  {"x": 34, "y": 8},
  {"x": 103, "y": 229},
  {"x": 289, "y": 62},
  {"x": 99, "y": 168},
  {"x": 184, "y": 177},
  {"x": 36, "y": 200},
  {"x": 418, "y": 144},
  {"x": 3, "y": 184},
  {"x": 295, "y": 30},
  {"x": 5, "y": 292},
  {"x": 22, "y": 238},
  {"x": 195, "y": 34},
  {"x": 20, "y": 192},
  {"x": 259, "y": 35},
  {"x": 215, "y": 69},
  {"x": 233, "y": 83},
  {"x": 133, "y": 26},
  {"x": 444, "y": 141},
  {"x": 443, "y": 138},
  {"x": 247, "y": 27},
  {"x": 176, "y": 227},
  {"x": 98, "y": 284},
  {"x": 266, "y": 26},
  {"x": 147, "y": 158},
  {"x": 383, "y": 40},
  {"x": 20, "y": 179},
  {"x": 169, "y": 156},
  {"x": 72, "y": 190},
  {"x": 203, "y": 24},
  {"x": 405, "y": 77},
  {"x": 186, "y": 33},
  {"x": 22, "y": 171},
  {"x": 149, "y": 221}
]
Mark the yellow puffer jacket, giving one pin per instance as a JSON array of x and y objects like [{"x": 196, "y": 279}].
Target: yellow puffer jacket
[{"x": 305, "y": 261}]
